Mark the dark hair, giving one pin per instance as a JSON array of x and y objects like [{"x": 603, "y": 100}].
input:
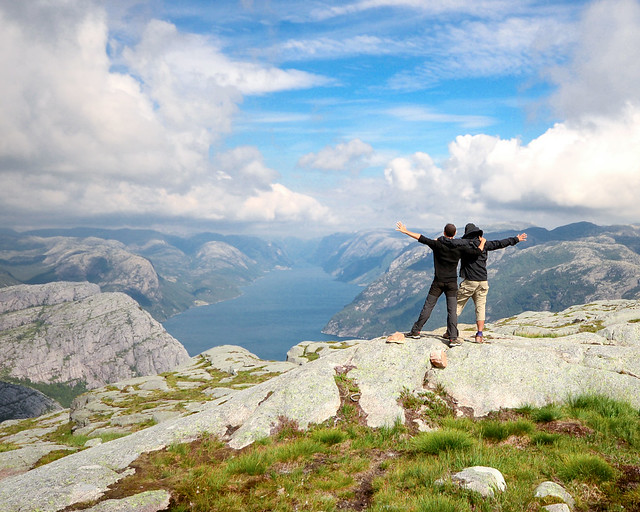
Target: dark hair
[{"x": 449, "y": 230}]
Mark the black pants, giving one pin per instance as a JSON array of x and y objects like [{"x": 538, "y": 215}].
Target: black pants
[{"x": 450, "y": 290}]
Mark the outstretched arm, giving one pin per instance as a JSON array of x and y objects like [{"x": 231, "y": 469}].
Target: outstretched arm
[
  {"x": 403, "y": 229},
  {"x": 492, "y": 245}
]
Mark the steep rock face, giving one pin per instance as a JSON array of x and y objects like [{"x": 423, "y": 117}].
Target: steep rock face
[
  {"x": 104, "y": 262},
  {"x": 96, "y": 338},
  {"x": 219, "y": 255},
  {"x": 26, "y": 296},
  {"x": 359, "y": 257},
  {"x": 22, "y": 402},
  {"x": 550, "y": 276}
]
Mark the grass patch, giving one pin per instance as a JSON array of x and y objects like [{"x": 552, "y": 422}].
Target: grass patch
[
  {"x": 547, "y": 414},
  {"x": 433, "y": 443},
  {"x": 53, "y": 455},
  {"x": 345, "y": 465},
  {"x": 64, "y": 435},
  {"x": 8, "y": 447},
  {"x": 587, "y": 468},
  {"x": 609, "y": 417}
]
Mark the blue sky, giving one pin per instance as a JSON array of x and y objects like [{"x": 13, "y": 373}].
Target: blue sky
[{"x": 283, "y": 117}]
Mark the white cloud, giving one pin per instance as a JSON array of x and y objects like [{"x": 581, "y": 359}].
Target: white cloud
[
  {"x": 603, "y": 75},
  {"x": 352, "y": 155},
  {"x": 592, "y": 167},
  {"x": 407, "y": 174},
  {"x": 514, "y": 46},
  {"x": 420, "y": 114},
  {"x": 80, "y": 140},
  {"x": 282, "y": 204},
  {"x": 479, "y": 7}
]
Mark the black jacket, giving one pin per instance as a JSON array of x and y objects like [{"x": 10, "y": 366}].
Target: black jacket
[
  {"x": 473, "y": 266},
  {"x": 446, "y": 254}
]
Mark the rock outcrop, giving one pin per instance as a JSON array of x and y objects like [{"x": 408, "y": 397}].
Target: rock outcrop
[
  {"x": 165, "y": 274},
  {"x": 70, "y": 333},
  {"x": 22, "y": 402},
  {"x": 552, "y": 271},
  {"x": 592, "y": 350}
]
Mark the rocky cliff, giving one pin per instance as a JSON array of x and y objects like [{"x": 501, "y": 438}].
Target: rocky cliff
[
  {"x": 164, "y": 274},
  {"x": 22, "y": 402},
  {"x": 70, "y": 332},
  {"x": 533, "y": 359},
  {"x": 548, "y": 272}
]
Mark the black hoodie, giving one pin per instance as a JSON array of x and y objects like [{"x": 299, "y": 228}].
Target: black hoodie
[
  {"x": 446, "y": 254},
  {"x": 473, "y": 266}
]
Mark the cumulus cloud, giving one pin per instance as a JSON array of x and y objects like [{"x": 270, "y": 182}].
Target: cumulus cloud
[
  {"x": 592, "y": 167},
  {"x": 352, "y": 155},
  {"x": 407, "y": 174},
  {"x": 585, "y": 167},
  {"x": 93, "y": 128},
  {"x": 282, "y": 204},
  {"x": 604, "y": 74}
]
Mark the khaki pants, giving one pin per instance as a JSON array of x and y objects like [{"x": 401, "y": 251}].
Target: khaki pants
[{"x": 476, "y": 290}]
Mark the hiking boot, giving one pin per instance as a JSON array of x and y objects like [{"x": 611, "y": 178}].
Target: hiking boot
[
  {"x": 414, "y": 335},
  {"x": 446, "y": 336},
  {"x": 455, "y": 342}
]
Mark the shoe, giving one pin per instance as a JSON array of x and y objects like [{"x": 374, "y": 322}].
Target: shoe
[
  {"x": 479, "y": 337},
  {"x": 455, "y": 342},
  {"x": 414, "y": 335},
  {"x": 446, "y": 336}
]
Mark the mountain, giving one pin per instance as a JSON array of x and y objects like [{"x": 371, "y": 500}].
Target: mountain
[
  {"x": 165, "y": 274},
  {"x": 226, "y": 398},
  {"x": 552, "y": 270},
  {"x": 18, "y": 402},
  {"x": 71, "y": 333},
  {"x": 360, "y": 257}
]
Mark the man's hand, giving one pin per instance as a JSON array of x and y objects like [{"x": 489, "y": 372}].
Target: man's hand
[
  {"x": 522, "y": 237},
  {"x": 483, "y": 241},
  {"x": 401, "y": 227}
]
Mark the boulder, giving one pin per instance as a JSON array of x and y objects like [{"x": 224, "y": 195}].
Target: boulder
[
  {"x": 481, "y": 479},
  {"x": 18, "y": 402},
  {"x": 553, "y": 489},
  {"x": 396, "y": 337},
  {"x": 438, "y": 358}
]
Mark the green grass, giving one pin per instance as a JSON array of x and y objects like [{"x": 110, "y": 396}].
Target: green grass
[
  {"x": 438, "y": 441},
  {"x": 344, "y": 465}
]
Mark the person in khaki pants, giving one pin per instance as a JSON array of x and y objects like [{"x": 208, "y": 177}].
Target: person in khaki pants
[{"x": 473, "y": 270}]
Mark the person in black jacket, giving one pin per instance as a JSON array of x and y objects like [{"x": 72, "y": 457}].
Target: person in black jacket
[
  {"x": 473, "y": 270},
  {"x": 446, "y": 254}
]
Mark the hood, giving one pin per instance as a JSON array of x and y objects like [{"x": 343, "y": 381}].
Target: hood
[{"x": 472, "y": 231}]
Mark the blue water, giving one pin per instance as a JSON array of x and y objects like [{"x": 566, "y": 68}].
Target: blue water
[{"x": 274, "y": 313}]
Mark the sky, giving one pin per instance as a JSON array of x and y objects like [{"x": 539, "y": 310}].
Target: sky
[{"x": 288, "y": 118}]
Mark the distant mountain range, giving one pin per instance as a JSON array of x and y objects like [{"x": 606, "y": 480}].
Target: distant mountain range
[
  {"x": 166, "y": 274},
  {"x": 551, "y": 271}
]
